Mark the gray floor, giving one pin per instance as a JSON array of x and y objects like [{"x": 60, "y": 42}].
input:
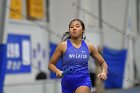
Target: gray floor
[{"x": 131, "y": 90}]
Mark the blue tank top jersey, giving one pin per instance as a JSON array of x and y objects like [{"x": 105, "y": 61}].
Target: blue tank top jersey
[{"x": 76, "y": 60}]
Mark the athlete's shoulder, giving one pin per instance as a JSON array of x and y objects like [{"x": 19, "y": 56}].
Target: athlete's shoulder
[
  {"x": 62, "y": 44},
  {"x": 88, "y": 43},
  {"x": 91, "y": 47}
]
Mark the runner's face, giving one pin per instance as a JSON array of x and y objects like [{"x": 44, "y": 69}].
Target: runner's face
[{"x": 76, "y": 29}]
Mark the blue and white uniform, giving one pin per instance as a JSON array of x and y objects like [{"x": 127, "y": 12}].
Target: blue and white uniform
[{"x": 75, "y": 59}]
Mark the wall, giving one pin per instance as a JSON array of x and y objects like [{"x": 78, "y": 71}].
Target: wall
[
  {"x": 114, "y": 22},
  {"x": 61, "y": 13},
  {"x": 114, "y": 14},
  {"x": 88, "y": 12},
  {"x": 113, "y": 38},
  {"x": 137, "y": 58},
  {"x": 1, "y": 18},
  {"x": 39, "y": 35}
]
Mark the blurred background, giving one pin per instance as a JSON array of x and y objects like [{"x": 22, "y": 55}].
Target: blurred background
[{"x": 31, "y": 29}]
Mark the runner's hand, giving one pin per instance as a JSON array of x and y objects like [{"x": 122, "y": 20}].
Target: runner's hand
[
  {"x": 59, "y": 74},
  {"x": 102, "y": 76}
]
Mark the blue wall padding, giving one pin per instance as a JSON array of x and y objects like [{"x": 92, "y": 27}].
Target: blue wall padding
[
  {"x": 59, "y": 63},
  {"x": 116, "y": 63},
  {"x": 3, "y": 63}
]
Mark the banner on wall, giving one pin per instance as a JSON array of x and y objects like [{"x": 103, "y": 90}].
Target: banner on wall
[
  {"x": 35, "y": 9},
  {"x": 15, "y": 9},
  {"x": 18, "y": 54}
]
